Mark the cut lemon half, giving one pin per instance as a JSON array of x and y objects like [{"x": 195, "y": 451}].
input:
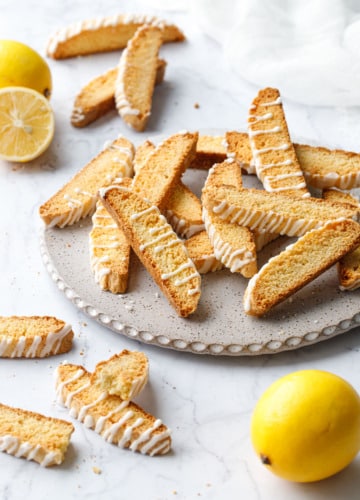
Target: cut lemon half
[{"x": 26, "y": 124}]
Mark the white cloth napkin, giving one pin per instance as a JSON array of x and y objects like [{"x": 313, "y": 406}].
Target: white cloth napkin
[{"x": 309, "y": 49}]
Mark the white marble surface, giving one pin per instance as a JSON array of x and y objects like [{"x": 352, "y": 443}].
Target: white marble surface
[{"x": 206, "y": 401}]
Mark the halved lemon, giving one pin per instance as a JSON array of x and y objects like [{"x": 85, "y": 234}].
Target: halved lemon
[{"x": 26, "y": 124}]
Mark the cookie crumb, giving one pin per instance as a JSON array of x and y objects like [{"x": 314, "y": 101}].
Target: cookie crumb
[
  {"x": 196, "y": 105},
  {"x": 96, "y": 470}
]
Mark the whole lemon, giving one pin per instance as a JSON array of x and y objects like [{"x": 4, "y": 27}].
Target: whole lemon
[
  {"x": 22, "y": 66},
  {"x": 306, "y": 425}
]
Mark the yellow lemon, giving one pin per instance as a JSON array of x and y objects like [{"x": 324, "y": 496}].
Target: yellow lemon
[
  {"x": 306, "y": 426},
  {"x": 22, "y": 66},
  {"x": 26, "y": 124}
]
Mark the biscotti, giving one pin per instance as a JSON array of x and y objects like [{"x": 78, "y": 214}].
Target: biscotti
[
  {"x": 162, "y": 170},
  {"x": 25, "y": 434},
  {"x": 274, "y": 155},
  {"x": 348, "y": 266},
  {"x": 119, "y": 422},
  {"x": 34, "y": 336},
  {"x": 109, "y": 252},
  {"x": 322, "y": 168},
  {"x": 77, "y": 199},
  {"x": 210, "y": 149},
  {"x": 136, "y": 76},
  {"x": 201, "y": 252},
  {"x": 238, "y": 147},
  {"x": 98, "y": 97},
  {"x": 299, "y": 264},
  {"x": 183, "y": 212},
  {"x": 275, "y": 212},
  {"x": 326, "y": 168},
  {"x": 105, "y": 34},
  {"x": 156, "y": 244},
  {"x": 183, "y": 209},
  {"x": 124, "y": 374},
  {"x": 234, "y": 245}
]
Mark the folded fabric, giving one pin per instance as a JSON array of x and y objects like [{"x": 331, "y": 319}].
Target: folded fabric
[{"x": 309, "y": 49}]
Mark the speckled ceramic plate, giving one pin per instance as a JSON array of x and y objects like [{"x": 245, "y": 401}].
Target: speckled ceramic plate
[{"x": 219, "y": 326}]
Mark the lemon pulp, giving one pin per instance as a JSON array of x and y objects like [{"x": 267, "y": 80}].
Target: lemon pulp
[{"x": 26, "y": 124}]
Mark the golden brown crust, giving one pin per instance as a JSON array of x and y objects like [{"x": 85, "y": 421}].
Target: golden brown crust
[
  {"x": 326, "y": 168},
  {"x": 157, "y": 246},
  {"x": 234, "y": 245},
  {"x": 34, "y": 336},
  {"x": 97, "y": 97},
  {"x": 201, "y": 252},
  {"x": 162, "y": 170},
  {"x": 109, "y": 252},
  {"x": 136, "y": 76},
  {"x": 274, "y": 155},
  {"x": 299, "y": 264},
  {"x": 348, "y": 266},
  {"x": 34, "y": 436},
  {"x": 275, "y": 212},
  {"x": 77, "y": 198},
  {"x": 105, "y": 34},
  {"x": 323, "y": 168},
  {"x": 210, "y": 149},
  {"x": 124, "y": 374},
  {"x": 120, "y": 422}
]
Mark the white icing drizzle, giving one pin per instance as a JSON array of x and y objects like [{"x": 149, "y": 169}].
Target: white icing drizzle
[
  {"x": 115, "y": 21},
  {"x": 60, "y": 385},
  {"x": 123, "y": 104},
  {"x": 53, "y": 342},
  {"x": 271, "y": 103},
  {"x": 170, "y": 235},
  {"x": 145, "y": 442},
  {"x": 23, "y": 449},
  {"x": 269, "y": 221},
  {"x": 248, "y": 295},
  {"x": 183, "y": 228},
  {"x": 269, "y": 181},
  {"x": 234, "y": 258},
  {"x": 208, "y": 263}
]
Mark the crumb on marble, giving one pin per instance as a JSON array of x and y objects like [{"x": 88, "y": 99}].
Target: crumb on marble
[
  {"x": 96, "y": 470},
  {"x": 196, "y": 105},
  {"x": 174, "y": 492}
]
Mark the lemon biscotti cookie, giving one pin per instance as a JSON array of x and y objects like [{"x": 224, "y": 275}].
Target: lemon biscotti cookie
[
  {"x": 120, "y": 422},
  {"x": 183, "y": 210},
  {"x": 274, "y": 155},
  {"x": 77, "y": 199},
  {"x": 105, "y": 34},
  {"x": 161, "y": 172},
  {"x": 33, "y": 436},
  {"x": 109, "y": 252},
  {"x": 210, "y": 149},
  {"x": 136, "y": 76},
  {"x": 124, "y": 374},
  {"x": 234, "y": 245},
  {"x": 157, "y": 246},
  {"x": 275, "y": 212},
  {"x": 300, "y": 263},
  {"x": 349, "y": 265},
  {"x": 34, "y": 336},
  {"x": 98, "y": 97},
  {"x": 201, "y": 252}
]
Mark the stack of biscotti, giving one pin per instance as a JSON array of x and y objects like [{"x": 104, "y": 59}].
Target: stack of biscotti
[
  {"x": 327, "y": 230},
  {"x": 102, "y": 401},
  {"x": 129, "y": 87}
]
